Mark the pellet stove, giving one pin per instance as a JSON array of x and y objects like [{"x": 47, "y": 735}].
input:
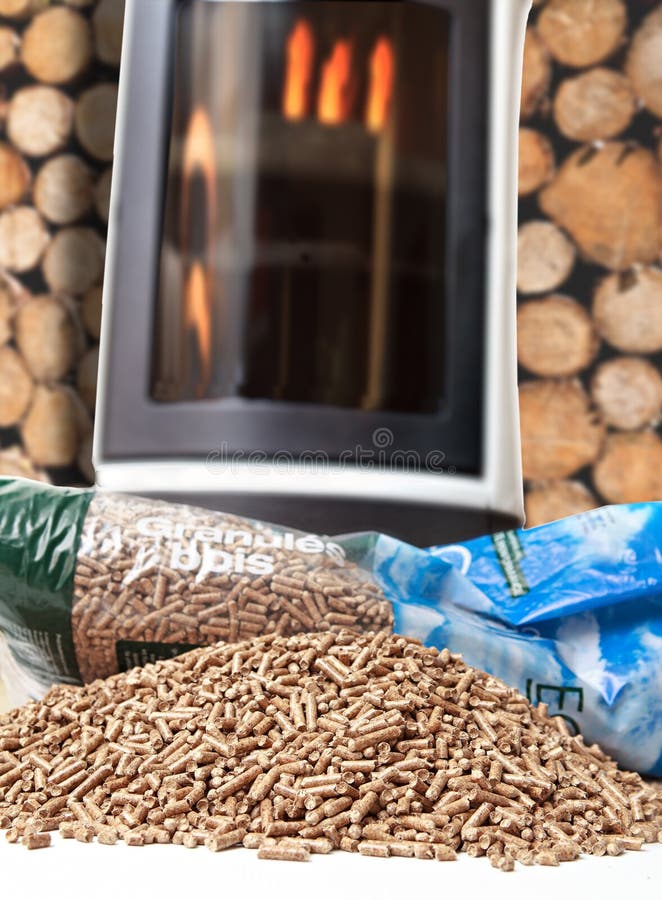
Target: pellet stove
[{"x": 309, "y": 307}]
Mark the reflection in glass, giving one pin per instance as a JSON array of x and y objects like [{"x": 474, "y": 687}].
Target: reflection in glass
[{"x": 303, "y": 245}]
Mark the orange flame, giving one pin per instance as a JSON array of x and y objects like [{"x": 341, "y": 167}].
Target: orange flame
[
  {"x": 300, "y": 53},
  {"x": 197, "y": 318},
  {"x": 381, "y": 85},
  {"x": 334, "y": 100},
  {"x": 199, "y": 156}
]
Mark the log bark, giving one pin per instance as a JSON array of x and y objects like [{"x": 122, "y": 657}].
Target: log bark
[
  {"x": 536, "y": 74},
  {"x": 102, "y": 195},
  {"x": 23, "y": 238},
  {"x": 10, "y": 44},
  {"x": 643, "y": 62},
  {"x": 628, "y": 392},
  {"x": 48, "y": 337},
  {"x": 545, "y": 257},
  {"x": 51, "y": 429},
  {"x": 57, "y": 46},
  {"x": 552, "y": 500},
  {"x": 63, "y": 189},
  {"x": 108, "y": 21},
  {"x": 16, "y": 387},
  {"x": 91, "y": 312},
  {"x": 609, "y": 199},
  {"x": 561, "y": 432},
  {"x": 21, "y": 9},
  {"x": 15, "y": 176},
  {"x": 86, "y": 379},
  {"x": 630, "y": 470},
  {"x": 581, "y": 33},
  {"x": 555, "y": 337},
  {"x": 95, "y": 121},
  {"x": 595, "y": 105},
  {"x": 73, "y": 262},
  {"x": 40, "y": 120},
  {"x": 536, "y": 161},
  {"x": 627, "y": 310}
]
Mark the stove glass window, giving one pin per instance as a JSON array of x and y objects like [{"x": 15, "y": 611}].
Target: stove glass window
[{"x": 303, "y": 248}]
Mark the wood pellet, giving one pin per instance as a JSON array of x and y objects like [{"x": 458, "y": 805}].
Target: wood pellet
[
  {"x": 308, "y": 743},
  {"x": 150, "y": 574}
]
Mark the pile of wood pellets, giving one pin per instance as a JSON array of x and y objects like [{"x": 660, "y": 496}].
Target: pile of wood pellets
[{"x": 311, "y": 743}]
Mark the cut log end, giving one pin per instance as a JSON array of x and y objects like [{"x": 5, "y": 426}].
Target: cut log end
[
  {"x": 108, "y": 20},
  {"x": 628, "y": 392},
  {"x": 627, "y": 310},
  {"x": 40, "y": 120},
  {"x": 643, "y": 62},
  {"x": 555, "y": 337},
  {"x": 73, "y": 262},
  {"x": 57, "y": 46},
  {"x": 596, "y": 105},
  {"x": 581, "y": 33},
  {"x": 609, "y": 200},
  {"x": 95, "y": 121},
  {"x": 10, "y": 44},
  {"x": 15, "y": 464},
  {"x": 63, "y": 190},
  {"x": 51, "y": 430},
  {"x": 630, "y": 469},
  {"x": 15, "y": 176},
  {"x": 23, "y": 238},
  {"x": 536, "y": 74},
  {"x": 536, "y": 161},
  {"x": 561, "y": 432},
  {"x": 21, "y": 9},
  {"x": 16, "y": 387},
  {"x": 552, "y": 500},
  {"x": 545, "y": 257},
  {"x": 7, "y": 312},
  {"x": 48, "y": 337}
]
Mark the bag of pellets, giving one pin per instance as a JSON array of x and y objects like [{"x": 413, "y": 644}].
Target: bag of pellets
[
  {"x": 570, "y": 613},
  {"x": 94, "y": 583}
]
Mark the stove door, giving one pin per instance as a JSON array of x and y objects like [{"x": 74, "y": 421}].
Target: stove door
[
  {"x": 303, "y": 255},
  {"x": 298, "y": 249}
]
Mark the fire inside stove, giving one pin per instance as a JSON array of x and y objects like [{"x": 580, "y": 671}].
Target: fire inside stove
[{"x": 303, "y": 248}]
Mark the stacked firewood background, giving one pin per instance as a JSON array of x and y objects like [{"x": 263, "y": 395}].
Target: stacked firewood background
[
  {"x": 590, "y": 282},
  {"x": 590, "y": 244},
  {"x": 58, "y": 87}
]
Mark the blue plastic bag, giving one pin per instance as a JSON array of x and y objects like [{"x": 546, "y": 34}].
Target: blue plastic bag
[{"x": 570, "y": 613}]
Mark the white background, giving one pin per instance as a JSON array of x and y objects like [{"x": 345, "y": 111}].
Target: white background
[{"x": 69, "y": 871}]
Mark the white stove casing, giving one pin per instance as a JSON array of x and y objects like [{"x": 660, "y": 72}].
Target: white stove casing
[{"x": 497, "y": 488}]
